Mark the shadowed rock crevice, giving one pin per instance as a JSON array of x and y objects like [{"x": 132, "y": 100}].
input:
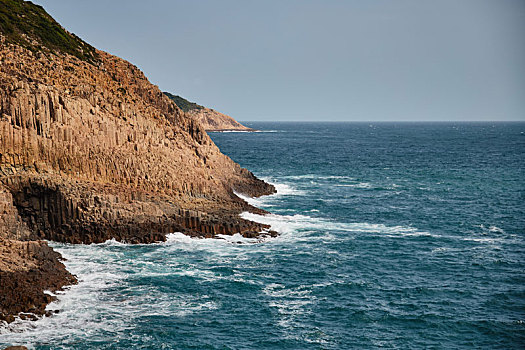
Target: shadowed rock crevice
[{"x": 27, "y": 267}]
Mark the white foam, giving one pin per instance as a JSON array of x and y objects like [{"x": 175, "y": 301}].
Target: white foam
[
  {"x": 340, "y": 178},
  {"x": 256, "y": 202},
  {"x": 264, "y": 201},
  {"x": 245, "y": 131},
  {"x": 287, "y": 190},
  {"x": 482, "y": 240},
  {"x": 99, "y": 307},
  {"x": 496, "y": 229},
  {"x": 178, "y": 237},
  {"x": 441, "y": 249},
  {"x": 358, "y": 185},
  {"x": 238, "y": 239},
  {"x": 230, "y": 131},
  {"x": 490, "y": 229},
  {"x": 111, "y": 242},
  {"x": 290, "y": 303},
  {"x": 80, "y": 303},
  {"x": 288, "y": 224},
  {"x": 291, "y": 226},
  {"x": 226, "y": 246},
  {"x": 93, "y": 307}
]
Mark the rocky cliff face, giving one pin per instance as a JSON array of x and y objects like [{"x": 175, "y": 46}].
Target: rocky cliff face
[
  {"x": 91, "y": 150},
  {"x": 27, "y": 267},
  {"x": 210, "y": 119}
]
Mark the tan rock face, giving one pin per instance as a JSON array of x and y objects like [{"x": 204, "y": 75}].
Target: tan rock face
[
  {"x": 209, "y": 119},
  {"x": 212, "y": 120},
  {"x": 106, "y": 124},
  {"x": 93, "y": 152},
  {"x": 74, "y": 131}
]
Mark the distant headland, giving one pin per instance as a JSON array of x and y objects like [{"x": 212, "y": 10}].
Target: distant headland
[{"x": 210, "y": 119}]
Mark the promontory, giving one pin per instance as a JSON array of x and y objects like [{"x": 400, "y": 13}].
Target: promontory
[
  {"x": 90, "y": 150},
  {"x": 210, "y": 119}
]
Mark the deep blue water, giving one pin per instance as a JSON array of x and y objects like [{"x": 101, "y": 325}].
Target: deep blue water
[{"x": 403, "y": 236}]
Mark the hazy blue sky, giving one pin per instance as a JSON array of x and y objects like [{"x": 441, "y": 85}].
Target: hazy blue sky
[{"x": 320, "y": 60}]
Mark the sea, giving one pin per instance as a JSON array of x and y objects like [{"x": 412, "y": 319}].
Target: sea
[{"x": 391, "y": 235}]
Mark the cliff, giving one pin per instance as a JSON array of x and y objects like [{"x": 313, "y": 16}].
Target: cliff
[
  {"x": 210, "y": 119},
  {"x": 27, "y": 267},
  {"x": 91, "y": 150}
]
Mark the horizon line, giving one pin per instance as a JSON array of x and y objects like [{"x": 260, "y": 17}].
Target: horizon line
[{"x": 382, "y": 121}]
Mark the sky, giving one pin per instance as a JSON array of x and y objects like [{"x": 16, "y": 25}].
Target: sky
[{"x": 323, "y": 60}]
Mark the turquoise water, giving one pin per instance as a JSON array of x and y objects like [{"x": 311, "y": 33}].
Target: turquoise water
[{"x": 401, "y": 236}]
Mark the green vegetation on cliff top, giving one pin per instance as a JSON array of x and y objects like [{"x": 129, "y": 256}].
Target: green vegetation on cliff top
[
  {"x": 30, "y": 26},
  {"x": 182, "y": 103}
]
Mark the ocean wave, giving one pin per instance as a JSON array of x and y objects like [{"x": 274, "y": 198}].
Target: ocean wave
[
  {"x": 82, "y": 306},
  {"x": 225, "y": 246},
  {"x": 230, "y": 131},
  {"x": 288, "y": 225},
  {"x": 490, "y": 229},
  {"x": 247, "y": 131},
  {"x": 483, "y": 240},
  {"x": 319, "y": 177},
  {"x": 283, "y": 189},
  {"x": 496, "y": 229},
  {"x": 264, "y": 201},
  {"x": 106, "y": 303},
  {"x": 256, "y": 202},
  {"x": 357, "y": 185},
  {"x": 290, "y": 303},
  {"x": 178, "y": 237},
  {"x": 327, "y": 180}
]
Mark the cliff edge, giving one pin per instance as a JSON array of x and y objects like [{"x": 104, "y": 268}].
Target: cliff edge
[
  {"x": 90, "y": 150},
  {"x": 210, "y": 119}
]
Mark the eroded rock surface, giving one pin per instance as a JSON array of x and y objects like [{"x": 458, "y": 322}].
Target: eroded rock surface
[
  {"x": 210, "y": 119},
  {"x": 27, "y": 267},
  {"x": 91, "y": 153},
  {"x": 91, "y": 150}
]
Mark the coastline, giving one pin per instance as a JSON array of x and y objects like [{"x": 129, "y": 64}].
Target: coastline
[
  {"x": 92, "y": 150},
  {"x": 342, "y": 232},
  {"x": 233, "y": 130}
]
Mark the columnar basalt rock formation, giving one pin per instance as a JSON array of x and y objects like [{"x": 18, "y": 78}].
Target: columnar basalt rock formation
[
  {"x": 90, "y": 150},
  {"x": 108, "y": 153}
]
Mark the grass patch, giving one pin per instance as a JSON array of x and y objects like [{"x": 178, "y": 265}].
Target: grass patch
[
  {"x": 29, "y": 25},
  {"x": 182, "y": 103}
]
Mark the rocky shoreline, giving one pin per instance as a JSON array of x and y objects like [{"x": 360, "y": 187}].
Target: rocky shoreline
[
  {"x": 90, "y": 150},
  {"x": 28, "y": 267}
]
